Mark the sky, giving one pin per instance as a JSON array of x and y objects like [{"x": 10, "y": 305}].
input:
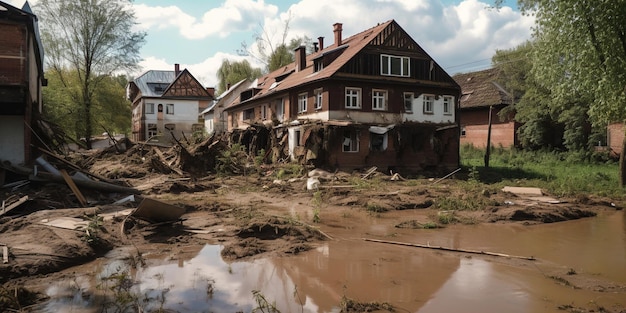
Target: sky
[{"x": 460, "y": 35}]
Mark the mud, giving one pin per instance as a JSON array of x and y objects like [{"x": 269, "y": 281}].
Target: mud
[{"x": 258, "y": 215}]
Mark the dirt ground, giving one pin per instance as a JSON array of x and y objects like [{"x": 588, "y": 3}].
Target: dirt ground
[{"x": 253, "y": 215}]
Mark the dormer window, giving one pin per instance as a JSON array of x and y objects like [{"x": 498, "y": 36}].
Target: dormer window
[
  {"x": 391, "y": 65},
  {"x": 319, "y": 65}
]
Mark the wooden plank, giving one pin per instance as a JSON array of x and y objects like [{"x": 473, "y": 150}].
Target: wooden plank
[
  {"x": 5, "y": 254},
  {"x": 72, "y": 185},
  {"x": 531, "y": 258},
  {"x": 13, "y": 205},
  {"x": 155, "y": 211}
]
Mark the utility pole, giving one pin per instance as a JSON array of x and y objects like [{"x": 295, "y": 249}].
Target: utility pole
[{"x": 488, "y": 148}]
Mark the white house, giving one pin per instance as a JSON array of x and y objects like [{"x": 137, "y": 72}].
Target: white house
[{"x": 166, "y": 104}]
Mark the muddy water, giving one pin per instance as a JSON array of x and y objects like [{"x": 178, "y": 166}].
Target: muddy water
[{"x": 411, "y": 279}]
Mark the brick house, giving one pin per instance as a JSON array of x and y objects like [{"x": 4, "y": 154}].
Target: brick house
[
  {"x": 166, "y": 104},
  {"x": 481, "y": 94},
  {"x": 21, "y": 81},
  {"x": 614, "y": 138},
  {"x": 373, "y": 99}
]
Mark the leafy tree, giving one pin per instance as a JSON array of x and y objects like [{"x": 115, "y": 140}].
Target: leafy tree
[
  {"x": 580, "y": 51},
  {"x": 85, "y": 42},
  {"x": 109, "y": 108},
  {"x": 231, "y": 73}
]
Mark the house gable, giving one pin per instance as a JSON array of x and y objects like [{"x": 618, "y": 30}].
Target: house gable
[{"x": 185, "y": 86}]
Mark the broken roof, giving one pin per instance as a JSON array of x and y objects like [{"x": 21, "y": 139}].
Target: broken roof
[
  {"x": 153, "y": 83},
  {"x": 481, "y": 89}
]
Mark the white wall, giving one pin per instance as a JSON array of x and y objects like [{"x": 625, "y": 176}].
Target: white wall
[
  {"x": 12, "y": 139},
  {"x": 185, "y": 114},
  {"x": 436, "y": 117}
]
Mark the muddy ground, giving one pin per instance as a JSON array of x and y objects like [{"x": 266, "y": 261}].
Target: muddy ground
[{"x": 266, "y": 212}]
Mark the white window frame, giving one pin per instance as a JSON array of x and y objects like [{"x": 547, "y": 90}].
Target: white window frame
[
  {"x": 280, "y": 109},
  {"x": 350, "y": 144},
  {"x": 447, "y": 105},
  {"x": 149, "y": 108},
  {"x": 387, "y": 65},
  {"x": 379, "y": 99},
  {"x": 264, "y": 112},
  {"x": 428, "y": 101},
  {"x": 302, "y": 99},
  {"x": 408, "y": 96},
  {"x": 169, "y": 108},
  {"x": 353, "y": 98},
  {"x": 318, "y": 98}
]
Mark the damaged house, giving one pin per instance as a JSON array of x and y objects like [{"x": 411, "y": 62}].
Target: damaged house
[
  {"x": 21, "y": 81},
  {"x": 373, "y": 99},
  {"x": 166, "y": 105}
]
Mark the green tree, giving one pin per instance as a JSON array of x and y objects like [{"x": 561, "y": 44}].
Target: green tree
[
  {"x": 86, "y": 41},
  {"x": 580, "y": 50},
  {"x": 231, "y": 73}
]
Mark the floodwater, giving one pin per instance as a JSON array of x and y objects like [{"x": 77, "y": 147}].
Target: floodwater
[{"x": 411, "y": 279}]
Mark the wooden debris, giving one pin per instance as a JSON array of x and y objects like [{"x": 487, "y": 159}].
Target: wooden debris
[
  {"x": 370, "y": 172},
  {"x": 70, "y": 182},
  {"x": 442, "y": 178},
  {"x": 531, "y": 258},
  {"x": 13, "y": 205},
  {"x": 156, "y": 211},
  {"x": 5, "y": 254}
]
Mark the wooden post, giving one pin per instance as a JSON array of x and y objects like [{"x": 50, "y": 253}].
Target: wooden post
[
  {"x": 622, "y": 163},
  {"x": 488, "y": 148}
]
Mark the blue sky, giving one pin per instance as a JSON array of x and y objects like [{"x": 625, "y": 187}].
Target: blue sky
[{"x": 461, "y": 35}]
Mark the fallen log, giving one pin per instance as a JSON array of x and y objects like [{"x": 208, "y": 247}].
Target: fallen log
[{"x": 531, "y": 258}]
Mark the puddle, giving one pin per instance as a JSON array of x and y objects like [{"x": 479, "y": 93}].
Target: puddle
[{"x": 411, "y": 279}]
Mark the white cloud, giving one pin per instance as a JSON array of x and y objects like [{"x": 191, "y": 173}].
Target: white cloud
[{"x": 231, "y": 16}]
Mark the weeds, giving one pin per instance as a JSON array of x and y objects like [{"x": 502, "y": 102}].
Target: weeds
[
  {"x": 318, "y": 201},
  {"x": 371, "y": 207},
  {"x": 350, "y": 305},
  {"x": 262, "y": 304},
  {"x": 92, "y": 232}
]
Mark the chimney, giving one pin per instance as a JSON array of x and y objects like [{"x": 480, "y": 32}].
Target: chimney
[
  {"x": 300, "y": 58},
  {"x": 211, "y": 91},
  {"x": 176, "y": 69},
  {"x": 337, "y": 30},
  {"x": 315, "y": 48},
  {"x": 320, "y": 40}
]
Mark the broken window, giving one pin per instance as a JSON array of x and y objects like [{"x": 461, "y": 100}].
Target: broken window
[
  {"x": 379, "y": 99},
  {"x": 280, "y": 109},
  {"x": 248, "y": 114},
  {"x": 350, "y": 140},
  {"x": 149, "y": 108},
  {"x": 408, "y": 102},
  {"x": 378, "y": 142},
  {"x": 169, "y": 108},
  {"x": 152, "y": 130}
]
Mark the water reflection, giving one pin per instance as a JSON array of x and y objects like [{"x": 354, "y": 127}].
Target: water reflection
[{"x": 412, "y": 279}]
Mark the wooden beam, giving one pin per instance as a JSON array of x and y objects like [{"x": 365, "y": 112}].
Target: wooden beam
[
  {"x": 72, "y": 185},
  {"x": 13, "y": 205}
]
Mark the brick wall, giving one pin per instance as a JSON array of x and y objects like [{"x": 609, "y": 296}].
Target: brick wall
[{"x": 615, "y": 136}]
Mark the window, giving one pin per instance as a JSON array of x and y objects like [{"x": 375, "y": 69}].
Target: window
[
  {"x": 379, "y": 99},
  {"x": 149, "y": 108},
  {"x": 378, "y": 142},
  {"x": 302, "y": 103},
  {"x": 248, "y": 114},
  {"x": 394, "y": 66},
  {"x": 160, "y": 108},
  {"x": 280, "y": 109},
  {"x": 297, "y": 135},
  {"x": 447, "y": 105},
  {"x": 463, "y": 131},
  {"x": 428, "y": 104},
  {"x": 152, "y": 130},
  {"x": 169, "y": 108},
  {"x": 353, "y": 98},
  {"x": 350, "y": 141},
  {"x": 264, "y": 111},
  {"x": 319, "y": 65},
  {"x": 318, "y": 99},
  {"x": 408, "y": 102}
]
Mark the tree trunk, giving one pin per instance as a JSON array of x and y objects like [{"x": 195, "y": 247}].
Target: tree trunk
[{"x": 622, "y": 164}]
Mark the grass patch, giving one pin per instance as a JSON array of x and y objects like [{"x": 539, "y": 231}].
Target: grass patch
[{"x": 559, "y": 173}]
